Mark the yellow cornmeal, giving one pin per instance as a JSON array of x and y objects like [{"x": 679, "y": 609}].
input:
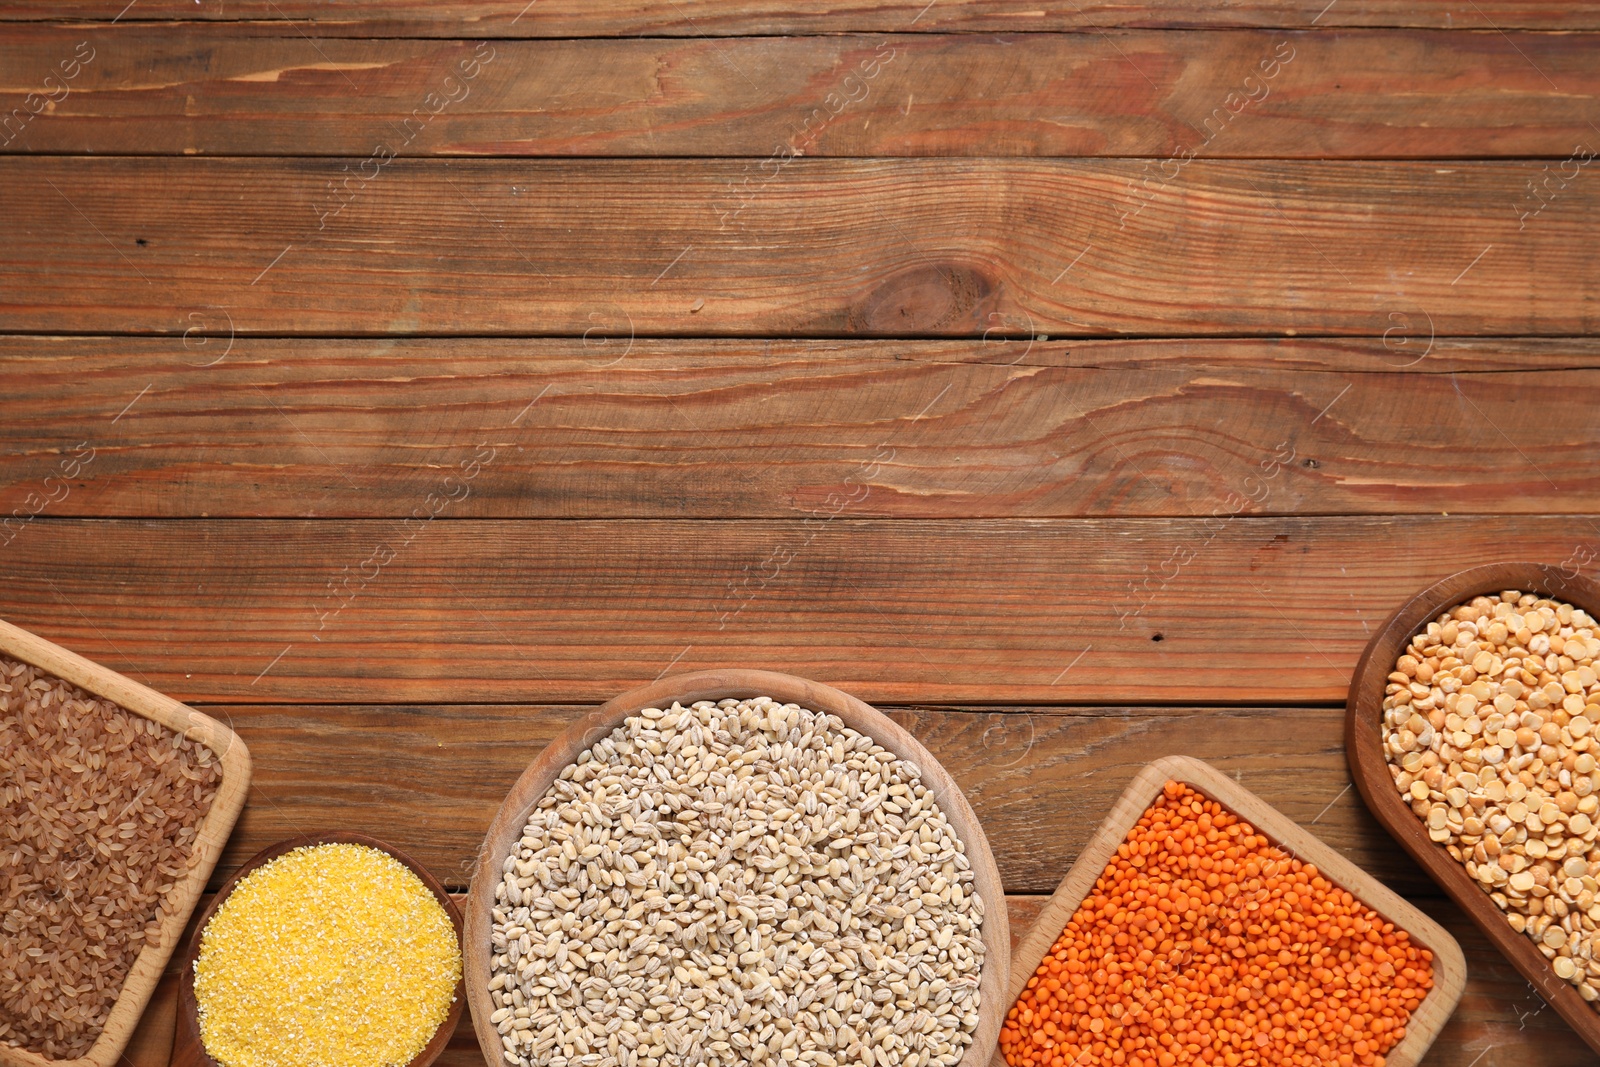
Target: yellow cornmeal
[{"x": 328, "y": 956}]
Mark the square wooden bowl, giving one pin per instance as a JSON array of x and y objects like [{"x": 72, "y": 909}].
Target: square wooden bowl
[
  {"x": 213, "y": 834},
  {"x": 1364, "y": 750},
  {"x": 1449, "y": 967}
]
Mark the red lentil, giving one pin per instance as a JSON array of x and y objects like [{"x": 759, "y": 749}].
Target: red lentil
[{"x": 1204, "y": 943}]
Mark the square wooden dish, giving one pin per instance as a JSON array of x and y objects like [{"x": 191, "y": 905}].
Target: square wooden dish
[
  {"x": 1364, "y": 749},
  {"x": 1449, "y": 967},
  {"x": 234, "y": 758}
]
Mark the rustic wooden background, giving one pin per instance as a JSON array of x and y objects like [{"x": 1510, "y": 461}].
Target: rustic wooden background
[{"x": 398, "y": 378}]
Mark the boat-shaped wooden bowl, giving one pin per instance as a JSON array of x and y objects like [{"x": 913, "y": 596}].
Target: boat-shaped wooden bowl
[
  {"x": 1449, "y": 966},
  {"x": 506, "y": 831},
  {"x": 1364, "y": 749},
  {"x": 187, "y": 1048},
  {"x": 232, "y": 790}
]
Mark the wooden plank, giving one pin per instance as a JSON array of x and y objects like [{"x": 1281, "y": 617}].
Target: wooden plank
[
  {"x": 1269, "y": 610},
  {"x": 722, "y": 429},
  {"x": 897, "y": 248},
  {"x": 148, "y": 88},
  {"x": 717, "y": 18},
  {"x": 430, "y": 778},
  {"x": 1499, "y": 1023},
  {"x": 152, "y": 1038}
]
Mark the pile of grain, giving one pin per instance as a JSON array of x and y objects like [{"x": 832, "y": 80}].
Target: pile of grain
[
  {"x": 1491, "y": 725},
  {"x": 736, "y": 883},
  {"x": 333, "y": 955},
  {"x": 1204, "y": 943},
  {"x": 99, "y": 808}
]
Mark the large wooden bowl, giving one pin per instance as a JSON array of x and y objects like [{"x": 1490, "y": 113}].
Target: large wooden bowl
[
  {"x": 1449, "y": 966},
  {"x": 1364, "y": 749},
  {"x": 508, "y": 825},
  {"x": 232, "y": 790},
  {"x": 187, "y": 1048}
]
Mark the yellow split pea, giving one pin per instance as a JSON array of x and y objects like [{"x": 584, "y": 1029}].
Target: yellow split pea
[{"x": 328, "y": 956}]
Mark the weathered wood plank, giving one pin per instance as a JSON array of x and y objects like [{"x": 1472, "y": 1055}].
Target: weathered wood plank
[
  {"x": 897, "y": 248},
  {"x": 1269, "y": 610},
  {"x": 148, "y": 88},
  {"x": 716, "y": 18},
  {"x": 740, "y": 429},
  {"x": 430, "y": 778}
]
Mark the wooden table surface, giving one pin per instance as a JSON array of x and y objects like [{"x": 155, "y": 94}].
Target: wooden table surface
[{"x": 1079, "y": 383}]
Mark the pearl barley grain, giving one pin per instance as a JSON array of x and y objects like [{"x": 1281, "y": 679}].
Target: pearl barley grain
[
  {"x": 1488, "y": 728},
  {"x": 740, "y": 882}
]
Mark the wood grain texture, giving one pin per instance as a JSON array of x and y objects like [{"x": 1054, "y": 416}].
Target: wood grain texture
[
  {"x": 716, "y": 18},
  {"x": 1040, "y": 779},
  {"x": 151, "y": 1044},
  {"x": 139, "y": 984},
  {"x": 738, "y": 429},
  {"x": 1020, "y": 526},
  {"x": 204, "y": 89},
  {"x": 1177, "y": 610},
  {"x": 1370, "y": 768},
  {"x": 898, "y": 248},
  {"x": 1448, "y": 968},
  {"x": 506, "y": 831}
]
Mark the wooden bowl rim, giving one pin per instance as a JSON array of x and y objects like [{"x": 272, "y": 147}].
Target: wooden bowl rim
[
  {"x": 211, "y": 835},
  {"x": 687, "y": 688},
  {"x": 188, "y": 1009},
  {"x": 1369, "y": 768},
  {"x": 1449, "y": 965}
]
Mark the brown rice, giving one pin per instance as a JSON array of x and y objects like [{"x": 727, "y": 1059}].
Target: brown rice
[{"x": 100, "y": 809}]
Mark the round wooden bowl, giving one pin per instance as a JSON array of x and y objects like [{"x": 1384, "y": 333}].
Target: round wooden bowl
[
  {"x": 1369, "y": 769},
  {"x": 506, "y": 830},
  {"x": 187, "y": 1048}
]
